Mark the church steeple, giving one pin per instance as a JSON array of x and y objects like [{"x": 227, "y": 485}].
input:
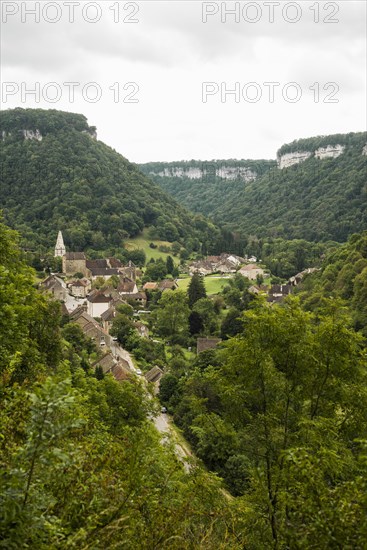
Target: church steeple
[{"x": 60, "y": 249}]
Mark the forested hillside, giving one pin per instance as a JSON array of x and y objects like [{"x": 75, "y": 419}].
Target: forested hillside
[
  {"x": 202, "y": 186},
  {"x": 318, "y": 199},
  {"x": 343, "y": 275},
  {"x": 56, "y": 175}
]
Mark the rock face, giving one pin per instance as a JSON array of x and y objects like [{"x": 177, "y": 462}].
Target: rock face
[
  {"x": 364, "y": 150},
  {"x": 289, "y": 159},
  {"x": 36, "y": 134},
  {"x": 331, "y": 151},
  {"x": 91, "y": 132},
  {"x": 32, "y": 134},
  {"x": 27, "y": 134},
  {"x": 224, "y": 172}
]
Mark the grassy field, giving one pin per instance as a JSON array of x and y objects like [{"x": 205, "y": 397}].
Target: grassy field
[
  {"x": 213, "y": 284},
  {"x": 142, "y": 243}
]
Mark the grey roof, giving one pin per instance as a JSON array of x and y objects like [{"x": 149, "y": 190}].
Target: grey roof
[
  {"x": 154, "y": 374},
  {"x": 75, "y": 256},
  {"x": 207, "y": 343}
]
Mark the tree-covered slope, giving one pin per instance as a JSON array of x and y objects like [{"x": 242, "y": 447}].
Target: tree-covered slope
[
  {"x": 203, "y": 186},
  {"x": 343, "y": 275},
  {"x": 316, "y": 199},
  {"x": 56, "y": 175}
]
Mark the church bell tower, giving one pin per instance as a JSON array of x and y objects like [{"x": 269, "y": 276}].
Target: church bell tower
[{"x": 60, "y": 249}]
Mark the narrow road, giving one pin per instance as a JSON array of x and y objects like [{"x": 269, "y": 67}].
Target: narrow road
[{"x": 164, "y": 426}]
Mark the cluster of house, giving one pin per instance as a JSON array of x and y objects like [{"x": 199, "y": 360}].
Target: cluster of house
[
  {"x": 118, "y": 361},
  {"x": 79, "y": 273},
  {"x": 276, "y": 293},
  {"x": 84, "y": 304},
  {"x": 225, "y": 263}
]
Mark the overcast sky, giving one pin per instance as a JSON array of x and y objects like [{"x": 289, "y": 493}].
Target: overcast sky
[{"x": 178, "y": 61}]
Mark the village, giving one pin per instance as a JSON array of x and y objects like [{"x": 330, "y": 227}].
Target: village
[{"x": 91, "y": 292}]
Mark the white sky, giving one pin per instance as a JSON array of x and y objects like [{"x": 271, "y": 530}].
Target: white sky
[{"x": 169, "y": 52}]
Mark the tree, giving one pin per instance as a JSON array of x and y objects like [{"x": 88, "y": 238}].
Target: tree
[
  {"x": 125, "y": 309},
  {"x": 155, "y": 271},
  {"x": 172, "y": 315},
  {"x": 138, "y": 257},
  {"x": 196, "y": 289},
  {"x": 170, "y": 265},
  {"x": 122, "y": 328},
  {"x": 195, "y": 323},
  {"x": 231, "y": 324},
  {"x": 168, "y": 388},
  {"x": 205, "y": 308}
]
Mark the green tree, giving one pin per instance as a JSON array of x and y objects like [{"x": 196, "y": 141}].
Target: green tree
[
  {"x": 122, "y": 328},
  {"x": 172, "y": 315},
  {"x": 205, "y": 308},
  {"x": 196, "y": 323},
  {"x": 170, "y": 265},
  {"x": 155, "y": 271},
  {"x": 231, "y": 324},
  {"x": 196, "y": 289}
]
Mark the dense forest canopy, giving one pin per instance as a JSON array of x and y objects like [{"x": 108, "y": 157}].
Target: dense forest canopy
[
  {"x": 316, "y": 200},
  {"x": 344, "y": 276},
  {"x": 206, "y": 193},
  {"x": 68, "y": 180}
]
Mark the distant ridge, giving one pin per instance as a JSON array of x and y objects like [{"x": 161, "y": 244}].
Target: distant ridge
[{"x": 315, "y": 190}]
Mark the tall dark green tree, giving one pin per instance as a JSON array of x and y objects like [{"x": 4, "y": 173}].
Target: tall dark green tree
[
  {"x": 170, "y": 265},
  {"x": 196, "y": 289}
]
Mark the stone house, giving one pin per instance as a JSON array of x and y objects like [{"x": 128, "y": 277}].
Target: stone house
[
  {"x": 278, "y": 292},
  {"x": 167, "y": 284},
  {"x": 141, "y": 329},
  {"x": 139, "y": 297},
  {"x": 74, "y": 262},
  {"x": 119, "y": 368},
  {"x": 251, "y": 271},
  {"x": 80, "y": 288},
  {"x": 55, "y": 286},
  {"x": 98, "y": 304},
  {"x": 89, "y": 326},
  {"x": 154, "y": 375},
  {"x": 127, "y": 287},
  {"x": 104, "y": 268},
  {"x": 203, "y": 267},
  {"x": 296, "y": 279},
  {"x": 107, "y": 318},
  {"x": 150, "y": 285},
  {"x": 129, "y": 271},
  {"x": 225, "y": 263}
]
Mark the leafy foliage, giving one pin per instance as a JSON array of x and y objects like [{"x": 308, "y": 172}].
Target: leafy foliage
[
  {"x": 343, "y": 275},
  {"x": 278, "y": 413}
]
